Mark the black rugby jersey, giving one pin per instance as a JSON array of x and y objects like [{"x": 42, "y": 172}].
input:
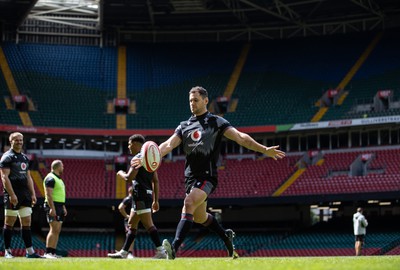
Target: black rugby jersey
[
  {"x": 18, "y": 163},
  {"x": 143, "y": 180},
  {"x": 201, "y": 139}
]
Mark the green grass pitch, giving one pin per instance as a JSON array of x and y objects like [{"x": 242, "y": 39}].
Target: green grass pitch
[{"x": 259, "y": 263}]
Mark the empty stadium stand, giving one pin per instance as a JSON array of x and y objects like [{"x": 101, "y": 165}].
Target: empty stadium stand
[
  {"x": 85, "y": 178},
  {"x": 377, "y": 73},
  {"x": 68, "y": 83},
  {"x": 89, "y": 178},
  {"x": 286, "y": 85},
  {"x": 317, "y": 179}
]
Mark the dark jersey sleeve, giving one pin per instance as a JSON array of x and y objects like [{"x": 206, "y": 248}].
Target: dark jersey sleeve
[
  {"x": 178, "y": 131},
  {"x": 50, "y": 182},
  {"x": 223, "y": 124},
  {"x": 5, "y": 161}
]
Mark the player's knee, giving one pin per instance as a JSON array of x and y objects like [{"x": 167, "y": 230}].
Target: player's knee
[
  {"x": 56, "y": 230},
  {"x": 189, "y": 203}
]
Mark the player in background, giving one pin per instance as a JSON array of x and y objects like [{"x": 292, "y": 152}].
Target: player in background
[
  {"x": 360, "y": 229},
  {"x": 19, "y": 195},
  {"x": 124, "y": 208},
  {"x": 54, "y": 205},
  {"x": 144, "y": 202}
]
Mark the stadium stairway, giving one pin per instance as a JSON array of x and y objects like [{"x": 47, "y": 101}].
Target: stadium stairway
[
  {"x": 289, "y": 182},
  {"x": 121, "y": 84},
  {"x": 120, "y": 188},
  {"x": 325, "y": 179},
  {"x": 82, "y": 81},
  {"x": 322, "y": 111},
  {"x": 7, "y": 113},
  {"x": 12, "y": 86},
  {"x": 230, "y": 88}
]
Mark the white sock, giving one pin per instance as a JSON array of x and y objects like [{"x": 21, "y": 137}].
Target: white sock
[{"x": 30, "y": 250}]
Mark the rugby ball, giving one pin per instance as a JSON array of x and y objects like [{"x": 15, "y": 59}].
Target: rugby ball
[{"x": 151, "y": 156}]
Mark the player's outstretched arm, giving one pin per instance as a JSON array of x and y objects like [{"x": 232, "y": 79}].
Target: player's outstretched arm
[
  {"x": 169, "y": 145},
  {"x": 246, "y": 141},
  {"x": 165, "y": 148}
]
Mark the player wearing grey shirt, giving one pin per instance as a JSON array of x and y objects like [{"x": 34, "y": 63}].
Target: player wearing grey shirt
[{"x": 360, "y": 229}]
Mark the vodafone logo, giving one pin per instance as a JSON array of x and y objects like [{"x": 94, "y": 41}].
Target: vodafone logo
[
  {"x": 23, "y": 166},
  {"x": 196, "y": 135}
]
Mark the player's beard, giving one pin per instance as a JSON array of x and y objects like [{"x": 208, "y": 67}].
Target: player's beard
[
  {"x": 17, "y": 147},
  {"x": 197, "y": 111}
]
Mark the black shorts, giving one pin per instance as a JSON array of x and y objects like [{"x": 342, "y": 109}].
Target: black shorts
[
  {"x": 60, "y": 215},
  {"x": 207, "y": 185},
  {"x": 24, "y": 199},
  {"x": 141, "y": 202},
  {"x": 360, "y": 238}
]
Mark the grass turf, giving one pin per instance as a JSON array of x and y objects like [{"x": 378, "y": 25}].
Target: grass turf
[{"x": 254, "y": 263}]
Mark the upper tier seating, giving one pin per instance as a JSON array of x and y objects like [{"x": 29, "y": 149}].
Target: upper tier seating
[
  {"x": 67, "y": 83},
  {"x": 7, "y": 116},
  {"x": 279, "y": 84},
  {"x": 379, "y": 72}
]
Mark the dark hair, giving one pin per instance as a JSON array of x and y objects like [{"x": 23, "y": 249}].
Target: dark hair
[
  {"x": 137, "y": 138},
  {"x": 202, "y": 92}
]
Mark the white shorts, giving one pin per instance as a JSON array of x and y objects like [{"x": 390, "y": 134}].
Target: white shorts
[
  {"x": 143, "y": 211},
  {"x": 22, "y": 212}
]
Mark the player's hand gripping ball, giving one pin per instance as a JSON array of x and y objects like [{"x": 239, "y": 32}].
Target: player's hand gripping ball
[{"x": 151, "y": 156}]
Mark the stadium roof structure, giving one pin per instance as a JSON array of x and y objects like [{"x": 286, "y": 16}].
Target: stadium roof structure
[
  {"x": 230, "y": 20},
  {"x": 13, "y": 12},
  {"x": 203, "y": 20}
]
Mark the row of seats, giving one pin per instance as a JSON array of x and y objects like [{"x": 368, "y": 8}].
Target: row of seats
[
  {"x": 250, "y": 244},
  {"x": 86, "y": 178},
  {"x": 275, "y": 87},
  {"x": 89, "y": 178},
  {"x": 319, "y": 179},
  {"x": 395, "y": 251}
]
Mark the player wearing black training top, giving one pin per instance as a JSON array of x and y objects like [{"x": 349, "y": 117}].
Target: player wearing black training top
[
  {"x": 19, "y": 195},
  {"x": 201, "y": 137},
  {"x": 144, "y": 202}
]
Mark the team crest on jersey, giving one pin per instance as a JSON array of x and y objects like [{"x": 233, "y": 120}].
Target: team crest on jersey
[
  {"x": 195, "y": 135},
  {"x": 23, "y": 166}
]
